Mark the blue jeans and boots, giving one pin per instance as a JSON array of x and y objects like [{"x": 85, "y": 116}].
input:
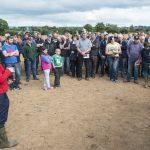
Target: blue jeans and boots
[
  {"x": 17, "y": 74},
  {"x": 113, "y": 68},
  {"x": 132, "y": 66}
]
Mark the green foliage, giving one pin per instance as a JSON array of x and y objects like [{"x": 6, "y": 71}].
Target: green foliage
[
  {"x": 88, "y": 27},
  {"x": 99, "y": 27},
  {"x": 3, "y": 26}
]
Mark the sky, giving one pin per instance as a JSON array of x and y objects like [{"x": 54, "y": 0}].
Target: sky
[{"x": 75, "y": 13}]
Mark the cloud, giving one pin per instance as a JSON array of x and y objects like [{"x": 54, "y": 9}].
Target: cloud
[{"x": 75, "y": 13}]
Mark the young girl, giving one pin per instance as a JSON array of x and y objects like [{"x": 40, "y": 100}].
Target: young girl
[{"x": 46, "y": 61}]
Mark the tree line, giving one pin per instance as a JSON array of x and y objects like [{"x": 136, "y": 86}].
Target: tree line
[{"x": 99, "y": 27}]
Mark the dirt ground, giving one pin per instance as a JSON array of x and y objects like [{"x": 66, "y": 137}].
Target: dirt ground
[{"x": 81, "y": 115}]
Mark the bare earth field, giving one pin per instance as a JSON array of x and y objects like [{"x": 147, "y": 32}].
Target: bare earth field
[{"x": 81, "y": 115}]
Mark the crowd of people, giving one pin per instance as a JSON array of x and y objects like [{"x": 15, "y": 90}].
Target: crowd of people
[{"x": 125, "y": 55}]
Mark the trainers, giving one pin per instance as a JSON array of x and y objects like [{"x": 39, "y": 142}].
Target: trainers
[
  {"x": 35, "y": 79},
  {"x": 50, "y": 88},
  {"x": 79, "y": 79},
  {"x": 87, "y": 79},
  {"x": 136, "y": 82},
  {"x": 27, "y": 80},
  {"x": 146, "y": 86},
  {"x": 126, "y": 80}
]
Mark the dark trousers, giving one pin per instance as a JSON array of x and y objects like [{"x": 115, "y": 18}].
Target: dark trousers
[
  {"x": 37, "y": 63},
  {"x": 4, "y": 107},
  {"x": 57, "y": 73},
  {"x": 30, "y": 65},
  {"x": 80, "y": 62},
  {"x": 102, "y": 66},
  {"x": 66, "y": 65},
  {"x": 73, "y": 67},
  {"x": 124, "y": 67},
  {"x": 93, "y": 65}
]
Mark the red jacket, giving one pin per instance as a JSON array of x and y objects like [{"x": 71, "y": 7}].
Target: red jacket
[{"x": 4, "y": 74}]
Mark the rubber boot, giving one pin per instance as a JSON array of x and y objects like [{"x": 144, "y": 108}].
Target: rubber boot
[{"x": 4, "y": 142}]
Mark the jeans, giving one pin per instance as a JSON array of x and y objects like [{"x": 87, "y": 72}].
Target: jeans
[
  {"x": 4, "y": 107},
  {"x": 80, "y": 61},
  {"x": 93, "y": 64},
  {"x": 132, "y": 67},
  {"x": 47, "y": 78},
  {"x": 17, "y": 73},
  {"x": 113, "y": 67},
  {"x": 66, "y": 65},
  {"x": 57, "y": 73},
  {"x": 30, "y": 65}
]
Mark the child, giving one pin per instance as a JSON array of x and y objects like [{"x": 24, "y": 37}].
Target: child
[
  {"x": 146, "y": 63},
  {"x": 46, "y": 67},
  {"x": 57, "y": 64}
]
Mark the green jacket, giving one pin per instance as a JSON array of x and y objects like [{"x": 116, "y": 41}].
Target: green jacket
[{"x": 29, "y": 52}]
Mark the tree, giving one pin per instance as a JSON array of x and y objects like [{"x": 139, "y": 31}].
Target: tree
[
  {"x": 111, "y": 28},
  {"x": 100, "y": 27},
  {"x": 3, "y": 26},
  {"x": 88, "y": 27}
]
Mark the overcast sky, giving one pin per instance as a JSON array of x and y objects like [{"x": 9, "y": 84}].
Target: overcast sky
[{"x": 75, "y": 13}]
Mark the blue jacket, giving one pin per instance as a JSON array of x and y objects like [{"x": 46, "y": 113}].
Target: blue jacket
[{"x": 9, "y": 48}]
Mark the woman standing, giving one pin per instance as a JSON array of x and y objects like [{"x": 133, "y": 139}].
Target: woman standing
[{"x": 113, "y": 49}]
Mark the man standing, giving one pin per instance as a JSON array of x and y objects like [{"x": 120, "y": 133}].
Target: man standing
[
  {"x": 84, "y": 48},
  {"x": 134, "y": 58},
  {"x": 40, "y": 43},
  {"x": 11, "y": 53},
  {"x": 29, "y": 53},
  {"x": 94, "y": 55},
  {"x": 102, "y": 54}
]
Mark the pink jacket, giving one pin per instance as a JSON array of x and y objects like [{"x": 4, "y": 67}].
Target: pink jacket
[{"x": 46, "y": 62}]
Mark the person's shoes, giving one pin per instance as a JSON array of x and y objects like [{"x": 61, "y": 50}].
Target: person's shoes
[
  {"x": 101, "y": 75},
  {"x": 136, "y": 82},
  {"x": 79, "y": 79},
  {"x": 50, "y": 88},
  {"x": 87, "y": 79},
  {"x": 35, "y": 79},
  {"x": 146, "y": 86},
  {"x": 27, "y": 80},
  {"x": 115, "y": 81},
  {"x": 93, "y": 76},
  {"x": 17, "y": 88},
  {"x": 111, "y": 79},
  {"x": 4, "y": 142},
  {"x": 126, "y": 80},
  {"x": 57, "y": 86}
]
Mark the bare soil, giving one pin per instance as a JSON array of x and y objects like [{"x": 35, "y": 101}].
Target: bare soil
[{"x": 81, "y": 115}]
